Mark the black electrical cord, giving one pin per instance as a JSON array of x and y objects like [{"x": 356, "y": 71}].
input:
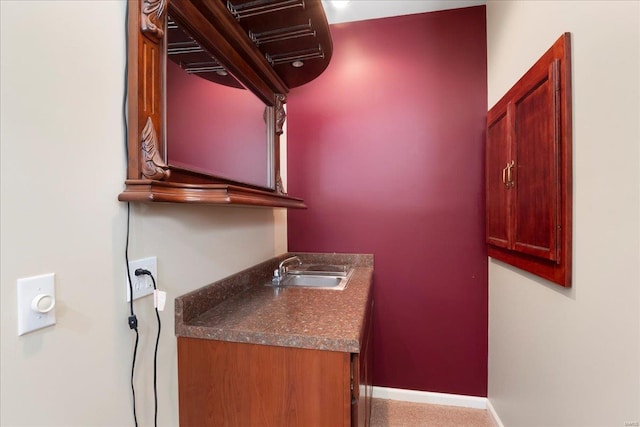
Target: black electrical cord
[
  {"x": 125, "y": 116},
  {"x": 139, "y": 272},
  {"x": 132, "y": 320}
]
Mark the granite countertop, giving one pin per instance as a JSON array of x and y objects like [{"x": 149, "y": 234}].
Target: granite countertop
[{"x": 241, "y": 309}]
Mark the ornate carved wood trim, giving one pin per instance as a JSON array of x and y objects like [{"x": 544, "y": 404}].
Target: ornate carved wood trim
[
  {"x": 153, "y": 167},
  {"x": 152, "y": 18},
  {"x": 281, "y": 114},
  {"x": 279, "y": 185},
  {"x": 280, "y": 118}
]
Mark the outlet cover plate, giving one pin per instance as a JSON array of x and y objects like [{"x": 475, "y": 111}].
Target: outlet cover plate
[{"x": 142, "y": 285}]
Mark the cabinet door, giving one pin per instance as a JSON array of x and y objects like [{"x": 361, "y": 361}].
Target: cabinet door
[
  {"x": 535, "y": 172},
  {"x": 223, "y": 383},
  {"x": 529, "y": 169},
  {"x": 497, "y": 194}
]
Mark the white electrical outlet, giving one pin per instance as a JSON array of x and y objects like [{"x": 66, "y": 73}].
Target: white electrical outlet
[{"x": 142, "y": 285}]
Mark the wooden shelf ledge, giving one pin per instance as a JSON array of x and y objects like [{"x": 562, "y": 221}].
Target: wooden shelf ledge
[{"x": 216, "y": 194}]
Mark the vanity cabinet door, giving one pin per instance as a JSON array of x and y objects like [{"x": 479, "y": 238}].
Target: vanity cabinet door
[{"x": 238, "y": 384}]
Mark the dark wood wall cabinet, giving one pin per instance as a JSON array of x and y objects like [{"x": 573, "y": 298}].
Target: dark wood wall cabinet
[
  {"x": 529, "y": 170},
  {"x": 269, "y": 47}
]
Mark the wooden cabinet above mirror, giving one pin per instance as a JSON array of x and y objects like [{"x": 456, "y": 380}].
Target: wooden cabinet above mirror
[{"x": 267, "y": 46}]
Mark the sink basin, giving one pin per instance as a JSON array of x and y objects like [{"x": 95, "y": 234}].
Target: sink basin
[
  {"x": 331, "y": 277},
  {"x": 311, "y": 281},
  {"x": 319, "y": 270}
]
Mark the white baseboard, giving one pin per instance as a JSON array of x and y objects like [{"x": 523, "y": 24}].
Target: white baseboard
[
  {"x": 494, "y": 414},
  {"x": 430, "y": 397}
]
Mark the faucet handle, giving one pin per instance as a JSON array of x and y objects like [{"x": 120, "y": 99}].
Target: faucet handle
[{"x": 276, "y": 277}]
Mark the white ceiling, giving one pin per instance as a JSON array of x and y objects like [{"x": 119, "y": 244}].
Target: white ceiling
[{"x": 359, "y": 10}]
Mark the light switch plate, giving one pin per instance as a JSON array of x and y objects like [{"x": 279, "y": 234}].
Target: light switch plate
[
  {"x": 36, "y": 303},
  {"x": 142, "y": 285}
]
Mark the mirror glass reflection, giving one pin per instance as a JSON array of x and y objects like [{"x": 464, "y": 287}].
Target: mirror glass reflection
[{"x": 215, "y": 126}]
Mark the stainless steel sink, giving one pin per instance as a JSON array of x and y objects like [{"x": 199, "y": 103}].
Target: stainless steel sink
[
  {"x": 320, "y": 270},
  {"x": 312, "y": 281},
  {"x": 317, "y": 277}
]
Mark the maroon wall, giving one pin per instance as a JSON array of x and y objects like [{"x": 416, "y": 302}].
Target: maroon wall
[
  {"x": 386, "y": 148},
  {"x": 204, "y": 130}
]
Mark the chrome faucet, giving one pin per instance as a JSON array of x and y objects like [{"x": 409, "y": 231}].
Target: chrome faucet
[
  {"x": 282, "y": 267},
  {"x": 279, "y": 273}
]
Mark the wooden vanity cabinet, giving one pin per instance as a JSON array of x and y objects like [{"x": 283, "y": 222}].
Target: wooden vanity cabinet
[
  {"x": 225, "y": 383},
  {"x": 528, "y": 170}
]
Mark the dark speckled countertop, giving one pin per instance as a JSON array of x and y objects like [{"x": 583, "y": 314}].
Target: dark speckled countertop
[{"x": 240, "y": 308}]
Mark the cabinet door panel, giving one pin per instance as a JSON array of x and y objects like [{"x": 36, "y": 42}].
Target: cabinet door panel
[
  {"x": 535, "y": 172},
  {"x": 238, "y": 384},
  {"x": 497, "y": 196}
]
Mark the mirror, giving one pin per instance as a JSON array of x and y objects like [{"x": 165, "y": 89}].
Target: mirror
[{"x": 215, "y": 125}]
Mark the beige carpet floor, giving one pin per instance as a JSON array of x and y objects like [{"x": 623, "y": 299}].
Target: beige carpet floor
[{"x": 393, "y": 413}]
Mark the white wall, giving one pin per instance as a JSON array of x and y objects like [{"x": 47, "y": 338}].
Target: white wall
[
  {"x": 373, "y": 9},
  {"x": 63, "y": 165},
  {"x": 571, "y": 357}
]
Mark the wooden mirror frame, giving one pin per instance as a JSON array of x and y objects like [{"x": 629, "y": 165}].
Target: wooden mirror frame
[{"x": 149, "y": 178}]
